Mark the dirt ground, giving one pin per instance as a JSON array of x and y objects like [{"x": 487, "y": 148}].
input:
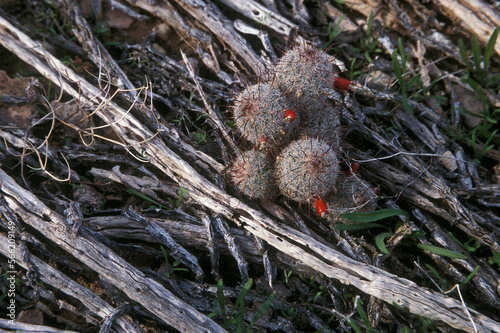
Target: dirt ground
[{"x": 129, "y": 201}]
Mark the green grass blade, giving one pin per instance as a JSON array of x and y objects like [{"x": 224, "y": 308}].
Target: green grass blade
[
  {"x": 368, "y": 57},
  {"x": 376, "y": 215},
  {"x": 476, "y": 53},
  {"x": 416, "y": 234},
  {"x": 220, "y": 298},
  {"x": 442, "y": 281},
  {"x": 261, "y": 311},
  {"x": 356, "y": 226},
  {"x": 416, "y": 80},
  {"x": 355, "y": 326},
  {"x": 145, "y": 197},
  {"x": 490, "y": 47},
  {"x": 363, "y": 316},
  {"x": 470, "y": 276},
  {"x": 495, "y": 258},
  {"x": 463, "y": 53},
  {"x": 477, "y": 88},
  {"x": 402, "y": 54},
  {"x": 407, "y": 106},
  {"x": 433, "y": 82},
  {"x": 379, "y": 241},
  {"x": 491, "y": 120},
  {"x": 239, "y": 319},
  {"x": 370, "y": 23},
  {"x": 332, "y": 34},
  {"x": 441, "y": 251},
  {"x": 466, "y": 245},
  {"x": 164, "y": 253},
  {"x": 241, "y": 296},
  {"x": 396, "y": 67},
  {"x": 434, "y": 271}
]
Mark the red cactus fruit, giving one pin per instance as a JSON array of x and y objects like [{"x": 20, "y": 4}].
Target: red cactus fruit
[
  {"x": 290, "y": 115},
  {"x": 342, "y": 84},
  {"x": 353, "y": 169},
  {"x": 321, "y": 207}
]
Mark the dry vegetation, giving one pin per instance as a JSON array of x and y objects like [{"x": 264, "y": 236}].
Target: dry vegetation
[{"x": 116, "y": 131}]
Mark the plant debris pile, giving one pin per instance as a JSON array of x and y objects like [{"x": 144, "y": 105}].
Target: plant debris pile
[{"x": 282, "y": 166}]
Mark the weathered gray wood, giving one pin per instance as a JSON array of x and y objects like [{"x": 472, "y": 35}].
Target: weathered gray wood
[
  {"x": 22, "y": 327},
  {"x": 207, "y": 13},
  {"x": 474, "y": 15},
  {"x": 55, "y": 278},
  {"x": 177, "y": 251},
  {"x": 146, "y": 291},
  {"x": 258, "y": 13},
  {"x": 223, "y": 229}
]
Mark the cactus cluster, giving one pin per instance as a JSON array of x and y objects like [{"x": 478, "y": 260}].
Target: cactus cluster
[{"x": 292, "y": 122}]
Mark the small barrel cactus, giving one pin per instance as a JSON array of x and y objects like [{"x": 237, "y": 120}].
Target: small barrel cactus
[
  {"x": 263, "y": 115},
  {"x": 354, "y": 195},
  {"x": 307, "y": 72},
  {"x": 320, "y": 120},
  {"x": 307, "y": 168},
  {"x": 252, "y": 174}
]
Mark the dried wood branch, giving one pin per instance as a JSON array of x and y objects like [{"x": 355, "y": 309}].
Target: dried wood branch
[
  {"x": 6, "y": 324},
  {"x": 213, "y": 19},
  {"x": 146, "y": 291},
  {"x": 221, "y": 226},
  {"x": 258, "y": 13},
  {"x": 216, "y": 117},
  {"x": 476, "y": 16},
  {"x": 160, "y": 234},
  {"x": 95, "y": 50},
  {"x": 53, "y": 277}
]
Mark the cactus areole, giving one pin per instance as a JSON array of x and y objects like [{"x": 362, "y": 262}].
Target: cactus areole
[
  {"x": 252, "y": 174},
  {"x": 258, "y": 113},
  {"x": 306, "y": 71}
]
